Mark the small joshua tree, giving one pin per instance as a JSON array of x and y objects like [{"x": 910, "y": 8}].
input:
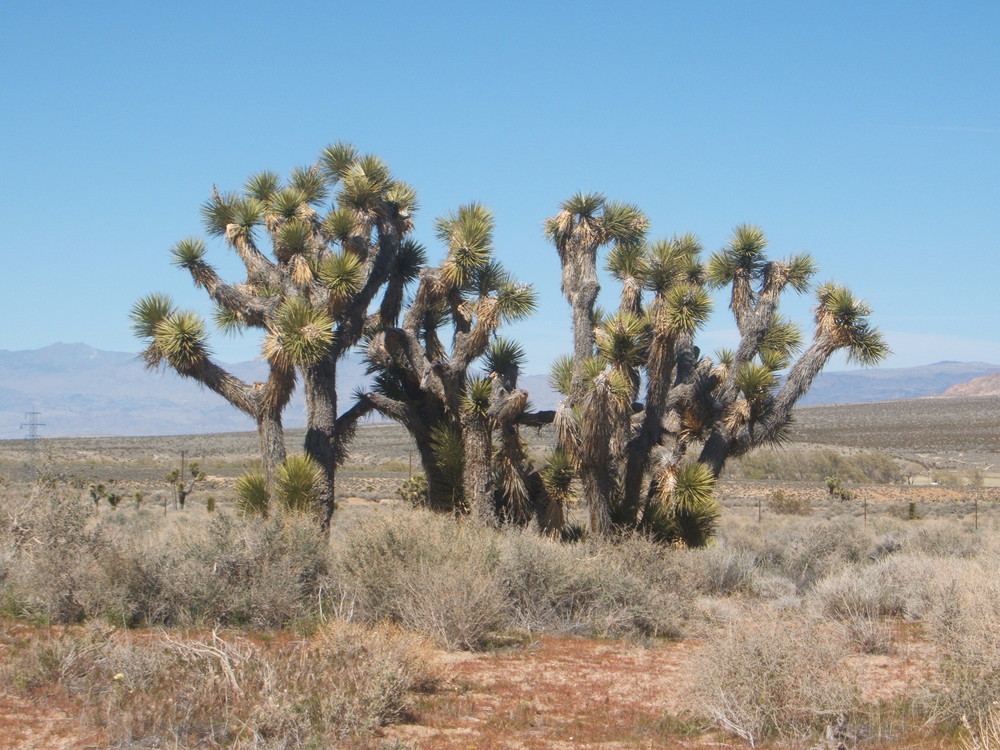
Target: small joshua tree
[
  {"x": 182, "y": 488},
  {"x": 96, "y": 492},
  {"x": 298, "y": 482}
]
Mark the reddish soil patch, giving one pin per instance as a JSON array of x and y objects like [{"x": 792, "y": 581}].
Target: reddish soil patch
[
  {"x": 558, "y": 693},
  {"x": 43, "y": 722}
]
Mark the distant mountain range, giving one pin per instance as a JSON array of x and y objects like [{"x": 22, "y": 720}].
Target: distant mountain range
[
  {"x": 79, "y": 390},
  {"x": 886, "y": 384}
]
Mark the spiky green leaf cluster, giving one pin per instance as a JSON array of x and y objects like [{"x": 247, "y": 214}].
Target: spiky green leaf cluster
[
  {"x": 262, "y": 185},
  {"x": 695, "y": 511},
  {"x": 402, "y": 195},
  {"x": 468, "y": 234},
  {"x": 302, "y": 333},
  {"x": 684, "y": 309},
  {"x": 189, "y": 252},
  {"x": 782, "y": 341},
  {"x": 298, "y": 483},
  {"x": 622, "y": 340},
  {"x": 218, "y": 212},
  {"x": 558, "y": 473},
  {"x": 363, "y": 184},
  {"x": 147, "y": 313},
  {"x": 252, "y": 496},
  {"x": 286, "y": 203},
  {"x": 689, "y": 514},
  {"x": 843, "y": 318},
  {"x": 343, "y": 274},
  {"x": 335, "y": 161},
  {"x": 624, "y": 223},
  {"x": 742, "y": 257},
  {"x": 800, "y": 270},
  {"x": 628, "y": 261},
  {"x": 297, "y": 488},
  {"x": 410, "y": 259},
  {"x": 310, "y": 183},
  {"x": 755, "y": 381},
  {"x": 515, "y": 302},
  {"x": 672, "y": 262},
  {"x": 503, "y": 355},
  {"x": 340, "y": 224},
  {"x": 230, "y": 322},
  {"x": 584, "y": 205},
  {"x": 476, "y": 397},
  {"x": 182, "y": 339},
  {"x": 293, "y": 237},
  {"x": 449, "y": 457},
  {"x": 561, "y": 374}
]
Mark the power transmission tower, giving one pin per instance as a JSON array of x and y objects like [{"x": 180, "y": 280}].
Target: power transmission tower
[{"x": 32, "y": 424}]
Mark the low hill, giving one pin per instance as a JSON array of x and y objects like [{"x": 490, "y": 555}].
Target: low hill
[{"x": 986, "y": 385}]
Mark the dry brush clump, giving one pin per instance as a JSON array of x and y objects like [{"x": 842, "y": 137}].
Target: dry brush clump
[
  {"x": 465, "y": 584},
  {"x": 773, "y": 676},
  {"x": 226, "y": 690},
  {"x": 964, "y": 622},
  {"x": 779, "y": 603},
  {"x": 64, "y": 565}
]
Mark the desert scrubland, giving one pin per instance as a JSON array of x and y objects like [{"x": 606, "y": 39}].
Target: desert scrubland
[{"x": 865, "y": 619}]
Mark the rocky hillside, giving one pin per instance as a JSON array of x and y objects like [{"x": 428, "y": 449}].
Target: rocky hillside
[{"x": 987, "y": 385}]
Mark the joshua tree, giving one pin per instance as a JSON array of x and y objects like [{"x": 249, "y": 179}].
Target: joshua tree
[
  {"x": 311, "y": 299},
  {"x": 182, "y": 488},
  {"x": 632, "y": 456},
  {"x": 426, "y": 385}
]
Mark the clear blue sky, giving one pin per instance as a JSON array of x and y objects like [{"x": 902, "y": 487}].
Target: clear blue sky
[{"x": 867, "y": 133}]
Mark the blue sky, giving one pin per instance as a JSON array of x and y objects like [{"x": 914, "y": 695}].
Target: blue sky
[{"x": 865, "y": 133}]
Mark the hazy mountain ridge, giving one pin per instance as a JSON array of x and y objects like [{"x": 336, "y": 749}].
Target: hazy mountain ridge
[
  {"x": 887, "y": 384},
  {"x": 80, "y": 390}
]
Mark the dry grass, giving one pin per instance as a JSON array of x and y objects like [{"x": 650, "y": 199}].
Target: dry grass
[{"x": 225, "y": 690}]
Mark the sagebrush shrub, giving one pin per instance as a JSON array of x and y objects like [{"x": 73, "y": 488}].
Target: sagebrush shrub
[
  {"x": 773, "y": 676},
  {"x": 50, "y": 550},
  {"x": 964, "y": 623},
  {"x": 427, "y": 573}
]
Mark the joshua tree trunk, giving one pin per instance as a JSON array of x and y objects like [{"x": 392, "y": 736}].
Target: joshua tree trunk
[
  {"x": 271, "y": 438},
  {"x": 321, "y": 429},
  {"x": 581, "y": 288},
  {"x": 477, "y": 481}
]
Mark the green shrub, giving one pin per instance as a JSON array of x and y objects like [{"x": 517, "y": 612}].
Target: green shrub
[{"x": 414, "y": 491}]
